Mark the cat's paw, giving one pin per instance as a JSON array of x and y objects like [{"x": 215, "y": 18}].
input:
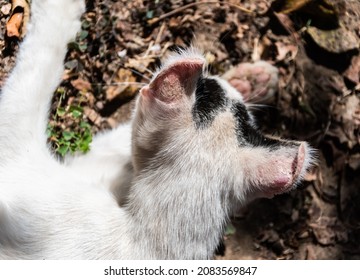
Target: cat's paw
[
  {"x": 57, "y": 17},
  {"x": 257, "y": 82}
]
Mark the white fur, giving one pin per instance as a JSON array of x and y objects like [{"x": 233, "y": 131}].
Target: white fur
[
  {"x": 108, "y": 164},
  {"x": 177, "y": 198}
]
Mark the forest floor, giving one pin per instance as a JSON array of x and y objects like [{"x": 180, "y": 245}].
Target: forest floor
[{"x": 314, "y": 46}]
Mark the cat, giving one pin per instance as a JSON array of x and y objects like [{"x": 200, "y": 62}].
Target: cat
[{"x": 190, "y": 154}]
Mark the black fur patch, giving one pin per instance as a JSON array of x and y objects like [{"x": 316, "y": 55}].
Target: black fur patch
[
  {"x": 246, "y": 133},
  {"x": 210, "y": 100}
]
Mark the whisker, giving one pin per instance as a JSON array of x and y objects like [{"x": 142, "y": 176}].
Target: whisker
[
  {"x": 141, "y": 74},
  {"x": 255, "y": 96},
  {"x": 258, "y": 107},
  {"x": 150, "y": 72},
  {"x": 254, "y": 105},
  {"x": 252, "y": 98},
  {"x": 224, "y": 36},
  {"x": 122, "y": 84}
]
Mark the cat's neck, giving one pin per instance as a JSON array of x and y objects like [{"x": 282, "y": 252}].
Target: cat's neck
[{"x": 177, "y": 215}]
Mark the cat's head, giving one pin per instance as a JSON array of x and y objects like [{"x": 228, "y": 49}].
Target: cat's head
[{"x": 188, "y": 121}]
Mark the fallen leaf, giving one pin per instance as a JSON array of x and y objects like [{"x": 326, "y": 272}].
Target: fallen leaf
[
  {"x": 321, "y": 11},
  {"x": 310, "y": 252},
  {"x": 6, "y": 9},
  {"x": 286, "y": 22},
  {"x": 353, "y": 72},
  {"x": 285, "y": 51},
  {"x": 354, "y": 161},
  {"x": 14, "y": 24},
  {"x": 140, "y": 64},
  {"x": 174, "y": 22},
  {"x": 289, "y": 6},
  {"x": 350, "y": 197},
  {"x": 93, "y": 116},
  {"x": 81, "y": 85},
  {"x": 335, "y": 41},
  {"x": 312, "y": 175},
  {"x": 17, "y": 23},
  {"x": 324, "y": 230},
  {"x": 123, "y": 85},
  {"x": 326, "y": 185},
  {"x": 346, "y": 121},
  {"x": 352, "y": 110}
]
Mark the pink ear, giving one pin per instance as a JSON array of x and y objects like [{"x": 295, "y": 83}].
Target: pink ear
[{"x": 175, "y": 80}]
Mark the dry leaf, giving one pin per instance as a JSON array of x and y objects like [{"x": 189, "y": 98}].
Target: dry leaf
[
  {"x": 320, "y": 8},
  {"x": 321, "y": 11},
  {"x": 93, "y": 116},
  {"x": 346, "y": 114},
  {"x": 352, "y": 113},
  {"x": 20, "y": 14},
  {"x": 323, "y": 230},
  {"x": 353, "y": 72},
  {"x": 81, "y": 84},
  {"x": 123, "y": 84},
  {"x": 286, "y": 22},
  {"x": 285, "y": 51},
  {"x": 14, "y": 24},
  {"x": 336, "y": 41},
  {"x": 6, "y": 9},
  {"x": 293, "y": 5},
  {"x": 140, "y": 64},
  {"x": 312, "y": 175},
  {"x": 354, "y": 161}
]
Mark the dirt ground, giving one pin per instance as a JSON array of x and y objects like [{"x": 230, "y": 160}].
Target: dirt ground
[{"x": 314, "y": 45}]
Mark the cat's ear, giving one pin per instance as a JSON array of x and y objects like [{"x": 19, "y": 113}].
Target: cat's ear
[{"x": 175, "y": 81}]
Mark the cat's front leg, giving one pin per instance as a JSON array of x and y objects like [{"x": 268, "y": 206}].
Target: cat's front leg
[
  {"x": 26, "y": 96},
  {"x": 59, "y": 19}
]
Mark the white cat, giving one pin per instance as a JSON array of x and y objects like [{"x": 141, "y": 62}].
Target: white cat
[{"x": 195, "y": 154}]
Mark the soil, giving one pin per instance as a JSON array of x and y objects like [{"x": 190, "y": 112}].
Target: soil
[{"x": 317, "y": 100}]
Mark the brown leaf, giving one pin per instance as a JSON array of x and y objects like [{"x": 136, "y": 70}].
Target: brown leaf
[
  {"x": 323, "y": 230},
  {"x": 14, "y": 24},
  {"x": 17, "y": 23},
  {"x": 336, "y": 41},
  {"x": 353, "y": 72},
  {"x": 354, "y": 161},
  {"x": 6, "y": 9},
  {"x": 321, "y": 9},
  {"x": 81, "y": 85},
  {"x": 346, "y": 116},
  {"x": 323, "y": 13},
  {"x": 293, "y": 5},
  {"x": 352, "y": 110},
  {"x": 285, "y": 50},
  {"x": 93, "y": 116},
  {"x": 286, "y": 22},
  {"x": 350, "y": 197},
  {"x": 124, "y": 79},
  {"x": 312, "y": 175},
  {"x": 140, "y": 64}
]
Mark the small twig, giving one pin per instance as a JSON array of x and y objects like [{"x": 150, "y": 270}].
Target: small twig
[
  {"x": 180, "y": 9},
  {"x": 161, "y": 31}
]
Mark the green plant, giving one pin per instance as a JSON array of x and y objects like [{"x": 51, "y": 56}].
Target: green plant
[{"x": 76, "y": 136}]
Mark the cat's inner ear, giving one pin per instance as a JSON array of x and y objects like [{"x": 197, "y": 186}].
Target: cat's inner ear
[{"x": 175, "y": 80}]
